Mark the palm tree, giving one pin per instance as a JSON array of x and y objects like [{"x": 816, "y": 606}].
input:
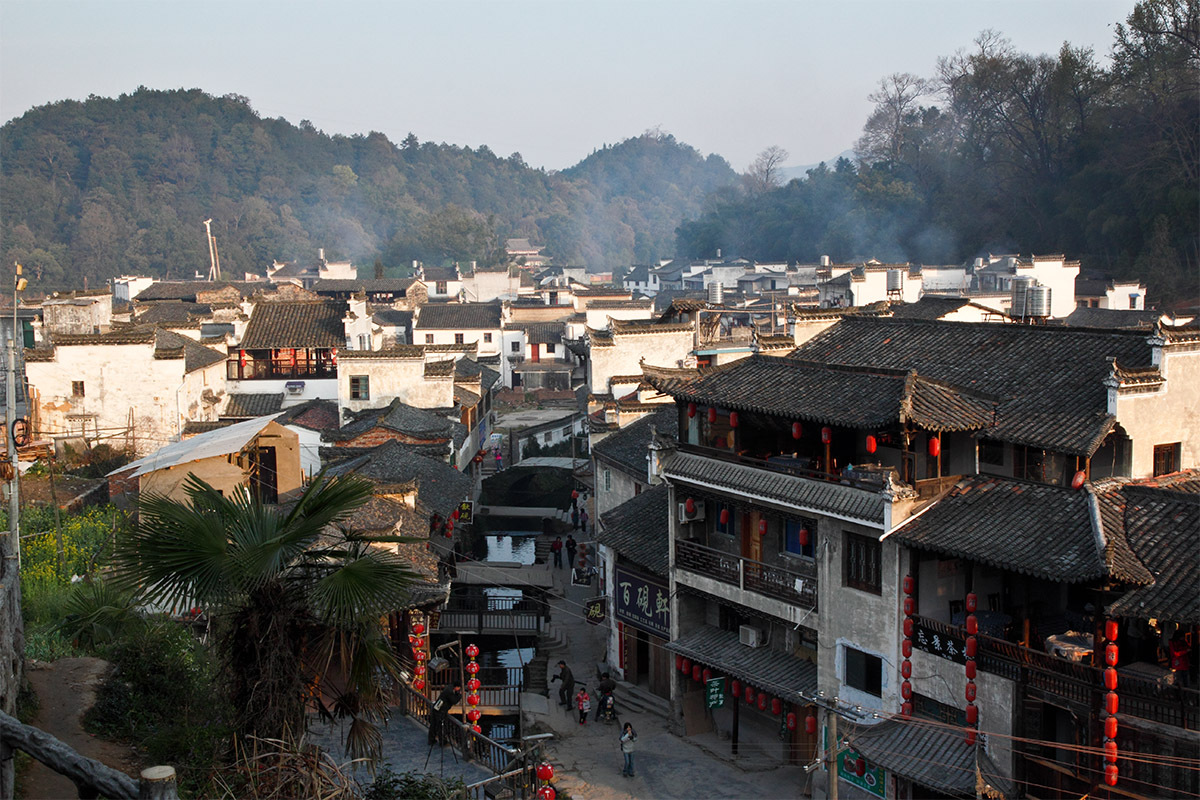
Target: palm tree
[{"x": 296, "y": 598}]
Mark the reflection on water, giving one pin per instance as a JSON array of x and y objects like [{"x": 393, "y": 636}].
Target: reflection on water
[
  {"x": 518, "y": 549},
  {"x": 514, "y": 656}
]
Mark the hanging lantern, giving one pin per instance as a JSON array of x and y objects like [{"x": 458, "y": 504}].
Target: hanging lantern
[
  {"x": 419, "y": 669},
  {"x": 971, "y": 692},
  {"x": 872, "y": 445},
  {"x": 762, "y": 702},
  {"x": 906, "y": 690},
  {"x": 474, "y": 714},
  {"x": 679, "y": 663},
  {"x": 691, "y": 410},
  {"x": 419, "y": 684},
  {"x": 906, "y": 709},
  {"x": 1110, "y": 774},
  {"x": 477, "y": 728},
  {"x": 706, "y": 675},
  {"x": 1110, "y": 679},
  {"x": 776, "y": 706},
  {"x": 910, "y": 606},
  {"x": 1078, "y": 479},
  {"x": 810, "y": 723},
  {"x": 906, "y": 648},
  {"x": 860, "y": 767},
  {"x": 733, "y": 419},
  {"x": 473, "y": 684},
  {"x": 762, "y": 527},
  {"x": 696, "y": 673},
  {"x": 906, "y": 669},
  {"x": 1111, "y": 703},
  {"x": 546, "y": 793},
  {"x": 712, "y": 415},
  {"x": 454, "y": 513},
  {"x": 909, "y": 584},
  {"x": 797, "y": 430},
  {"x": 972, "y": 625},
  {"x": 472, "y": 668},
  {"x": 1111, "y": 630},
  {"x": 790, "y": 720},
  {"x": 687, "y": 666},
  {"x": 970, "y": 669},
  {"x": 826, "y": 435},
  {"x": 473, "y": 699},
  {"x": 972, "y": 714},
  {"x": 420, "y": 655},
  {"x": 971, "y": 737},
  {"x": 478, "y": 459},
  {"x": 418, "y": 628},
  {"x": 472, "y": 651},
  {"x": 972, "y": 602},
  {"x": 724, "y": 516},
  {"x": 689, "y": 506},
  {"x": 1110, "y": 654},
  {"x": 935, "y": 447},
  {"x": 972, "y": 646},
  {"x": 1110, "y": 751},
  {"x": 1110, "y": 727},
  {"x": 545, "y": 771},
  {"x": 804, "y": 537},
  {"x": 908, "y": 627},
  {"x": 749, "y": 695}
]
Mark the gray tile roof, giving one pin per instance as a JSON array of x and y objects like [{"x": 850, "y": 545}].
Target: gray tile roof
[
  {"x": 1112, "y": 318},
  {"x": 168, "y": 344},
  {"x": 469, "y": 368},
  {"x": 169, "y": 312},
  {"x": 785, "y": 676},
  {"x": 929, "y": 307},
  {"x": 1162, "y": 526},
  {"x": 458, "y": 316},
  {"x": 637, "y": 529},
  {"x": 1051, "y": 377},
  {"x": 393, "y": 317},
  {"x": 440, "y": 487},
  {"x": 247, "y": 406},
  {"x": 399, "y": 417},
  {"x": 781, "y": 488},
  {"x": 186, "y": 290},
  {"x": 627, "y": 447},
  {"x": 339, "y": 286},
  {"x": 305, "y": 324}
]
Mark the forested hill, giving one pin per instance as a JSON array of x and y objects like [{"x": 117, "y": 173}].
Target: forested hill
[{"x": 109, "y": 186}]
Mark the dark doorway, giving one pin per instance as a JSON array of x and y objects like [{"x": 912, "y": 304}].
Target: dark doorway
[{"x": 264, "y": 478}]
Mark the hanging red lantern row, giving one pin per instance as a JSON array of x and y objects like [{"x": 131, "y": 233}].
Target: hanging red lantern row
[
  {"x": 545, "y": 774},
  {"x": 419, "y": 644},
  {"x": 736, "y": 686},
  {"x": 749, "y": 694},
  {"x": 1111, "y": 656},
  {"x": 473, "y": 715},
  {"x": 972, "y": 602},
  {"x": 972, "y": 714},
  {"x": 972, "y": 647},
  {"x": 776, "y": 706},
  {"x": 872, "y": 445},
  {"x": 910, "y": 606},
  {"x": 691, "y": 409},
  {"x": 906, "y": 690},
  {"x": 696, "y": 673},
  {"x": 706, "y": 675},
  {"x": 686, "y": 666},
  {"x": 762, "y": 702},
  {"x": 679, "y": 663},
  {"x": 972, "y": 625}
]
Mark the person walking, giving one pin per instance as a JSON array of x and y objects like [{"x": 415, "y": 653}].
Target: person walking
[
  {"x": 574, "y": 519},
  {"x": 584, "y": 703},
  {"x": 606, "y": 699},
  {"x": 556, "y": 547},
  {"x": 628, "y": 743},
  {"x": 583, "y": 518},
  {"x": 567, "y": 689},
  {"x": 571, "y": 548},
  {"x": 499, "y": 459}
]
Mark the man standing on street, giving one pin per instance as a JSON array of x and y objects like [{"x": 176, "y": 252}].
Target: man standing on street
[
  {"x": 566, "y": 692},
  {"x": 556, "y": 547},
  {"x": 571, "y": 547}
]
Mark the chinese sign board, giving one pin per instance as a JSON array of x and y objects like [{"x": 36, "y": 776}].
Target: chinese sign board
[
  {"x": 465, "y": 511},
  {"x": 951, "y": 648},
  {"x": 870, "y": 781},
  {"x": 595, "y": 610},
  {"x": 643, "y": 602},
  {"x": 714, "y": 693}
]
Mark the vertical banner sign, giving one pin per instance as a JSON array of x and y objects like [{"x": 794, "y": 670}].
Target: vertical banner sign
[
  {"x": 714, "y": 693},
  {"x": 643, "y": 602},
  {"x": 596, "y": 610},
  {"x": 465, "y": 510}
]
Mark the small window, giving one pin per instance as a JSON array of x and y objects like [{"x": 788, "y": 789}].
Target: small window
[
  {"x": 1133, "y": 300},
  {"x": 607, "y": 480},
  {"x": 458, "y": 338},
  {"x": 487, "y": 338},
  {"x": 429, "y": 338},
  {"x": 360, "y": 387},
  {"x": 1166, "y": 456},
  {"x": 728, "y": 528},
  {"x": 549, "y": 347},
  {"x": 796, "y": 541},
  {"x": 77, "y": 388},
  {"x": 440, "y": 287},
  {"x": 991, "y": 451},
  {"x": 547, "y": 437},
  {"x": 515, "y": 347},
  {"x": 864, "y": 672},
  {"x": 567, "y": 431},
  {"x": 861, "y": 563}
]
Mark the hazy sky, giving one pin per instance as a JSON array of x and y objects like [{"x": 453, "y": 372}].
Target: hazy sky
[{"x": 552, "y": 80}]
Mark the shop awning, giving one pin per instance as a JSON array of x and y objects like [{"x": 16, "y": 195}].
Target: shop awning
[{"x": 784, "y": 676}]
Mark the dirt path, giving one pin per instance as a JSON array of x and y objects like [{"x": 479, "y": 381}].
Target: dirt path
[{"x": 66, "y": 689}]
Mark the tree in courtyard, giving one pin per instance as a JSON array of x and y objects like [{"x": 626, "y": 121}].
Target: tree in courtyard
[{"x": 297, "y": 599}]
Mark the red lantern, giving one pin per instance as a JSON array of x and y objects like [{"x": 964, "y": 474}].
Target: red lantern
[
  {"x": 910, "y": 606},
  {"x": 906, "y": 709},
  {"x": 472, "y": 651},
  {"x": 476, "y": 727},
  {"x": 972, "y": 646},
  {"x": 736, "y": 686},
  {"x": 972, "y": 714},
  {"x": 972, "y": 602},
  {"x": 971, "y": 737},
  {"x": 762, "y": 702},
  {"x": 1110, "y": 727},
  {"x": 1110, "y": 654},
  {"x": 935, "y": 447},
  {"x": 419, "y": 684},
  {"x": 909, "y": 584},
  {"x": 733, "y": 419},
  {"x": 970, "y": 669},
  {"x": 776, "y": 706},
  {"x": 797, "y": 430},
  {"x": 478, "y": 459},
  {"x": 687, "y": 666},
  {"x": 689, "y": 506},
  {"x": 906, "y": 690},
  {"x": 1110, "y": 774},
  {"x": 546, "y": 793},
  {"x": 545, "y": 771},
  {"x": 1110, "y": 679},
  {"x": 762, "y": 527},
  {"x": 972, "y": 625},
  {"x": 906, "y": 648},
  {"x": 906, "y": 668},
  {"x": 804, "y": 537},
  {"x": 712, "y": 415},
  {"x": 1078, "y": 479},
  {"x": 706, "y": 675},
  {"x": 724, "y": 516},
  {"x": 1111, "y": 703},
  {"x": 472, "y": 668},
  {"x": 749, "y": 695},
  {"x": 860, "y": 767},
  {"x": 696, "y": 672},
  {"x": 871, "y": 444},
  {"x": 474, "y": 714},
  {"x": 473, "y": 684},
  {"x": 908, "y": 627},
  {"x": 1110, "y": 751},
  {"x": 420, "y": 655},
  {"x": 419, "y": 669},
  {"x": 1111, "y": 630},
  {"x": 454, "y": 513},
  {"x": 419, "y": 628},
  {"x": 971, "y": 692},
  {"x": 472, "y": 699},
  {"x": 791, "y": 720},
  {"x": 691, "y": 410},
  {"x": 826, "y": 435},
  {"x": 810, "y": 723}
]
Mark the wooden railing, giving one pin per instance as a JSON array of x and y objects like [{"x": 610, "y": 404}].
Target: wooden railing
[
  {"x": 748, "y": 574},
  {"x": 495, "y": 614},
  {"x": 474, "y": 746},
  {"x": 501, "y": 689},
  {"x": 870, "y": 483}
]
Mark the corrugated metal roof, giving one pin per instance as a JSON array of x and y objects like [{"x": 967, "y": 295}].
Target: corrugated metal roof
[{"x": 220, "y": 442}]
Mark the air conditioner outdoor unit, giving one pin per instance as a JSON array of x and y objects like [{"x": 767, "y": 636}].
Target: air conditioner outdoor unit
[
  {"x": 696, "y": 516},
  {"x": 750, "y": 636},
  {"x": 294, "y": 387}
]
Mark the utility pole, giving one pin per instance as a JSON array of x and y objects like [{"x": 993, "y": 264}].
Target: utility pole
[
  {"x": 833, "y": 755},
  {"x": 10, "y": 408}
]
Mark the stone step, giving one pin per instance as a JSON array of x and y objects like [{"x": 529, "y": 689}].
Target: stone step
[{"x": 641, "y": 700}]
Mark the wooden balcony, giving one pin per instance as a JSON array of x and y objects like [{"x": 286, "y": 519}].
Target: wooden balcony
[
  {"x": 494, "y": 615},
  {"x": 789, "y": 466},
  {"x": 750, "y": 575}
]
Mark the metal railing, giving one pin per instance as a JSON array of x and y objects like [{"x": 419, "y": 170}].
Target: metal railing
[
  {"x": 501, "y": 689},
  {"x": 793, "y": 585}
]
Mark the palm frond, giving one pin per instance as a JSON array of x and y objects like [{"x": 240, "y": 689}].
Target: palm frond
[{"x": 365, "y": 583}]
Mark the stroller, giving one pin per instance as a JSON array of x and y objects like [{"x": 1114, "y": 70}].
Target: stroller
[{"x": 607, "y": 712}]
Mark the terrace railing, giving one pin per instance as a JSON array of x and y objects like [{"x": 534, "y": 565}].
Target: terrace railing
[{"x": 793, "y": 585}]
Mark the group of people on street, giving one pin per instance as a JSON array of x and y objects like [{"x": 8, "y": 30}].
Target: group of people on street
[
  {"x": 557, "y": 547},
  {"x": 583, "y": 704},
  {"x": 579, "y": 519}
]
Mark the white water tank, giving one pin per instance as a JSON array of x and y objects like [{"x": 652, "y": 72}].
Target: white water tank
[
  {"x": 716, "y": 292},
  {"x": 1039, "y": 301},
  {"x": 1020, "y": 296},
  {"x": 895, "y": 280}
]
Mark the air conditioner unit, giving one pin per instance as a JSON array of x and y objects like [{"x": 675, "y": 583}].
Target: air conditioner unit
[
  {"x": 294, "y": 387},
  {"x": 696, "y": 516},
  {"x": 750, "y": 636}
]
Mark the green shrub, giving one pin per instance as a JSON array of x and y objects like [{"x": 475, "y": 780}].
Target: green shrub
[{"x": 389, "y": 785}]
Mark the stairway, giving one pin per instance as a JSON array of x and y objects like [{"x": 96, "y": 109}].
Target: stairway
[{"x": 642, "y": 701}]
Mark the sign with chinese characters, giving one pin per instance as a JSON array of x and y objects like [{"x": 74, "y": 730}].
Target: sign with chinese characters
[
  {"x": 951, "y": 648},
  {"x": 870, "y": 781},
  {"x": 714, "y": 693},
  {"x": 466, "y": 510},
  {"x": 642, "y": 602},
  {"x": 595, "y": 610}
]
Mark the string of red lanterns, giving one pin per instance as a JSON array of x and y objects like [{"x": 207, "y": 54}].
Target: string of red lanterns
[
  {"x": 545, "y": 774},
  {"x": 972, "y": 646},
  {"x": 906, "y": 707},
  {"x": 419, "y": 643},
  {"x": 1111, "y": 702},
  {"x": 472, "y": 668}
]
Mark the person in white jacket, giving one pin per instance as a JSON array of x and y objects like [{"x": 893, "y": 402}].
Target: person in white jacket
[{"x": 628, "y": 740}]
